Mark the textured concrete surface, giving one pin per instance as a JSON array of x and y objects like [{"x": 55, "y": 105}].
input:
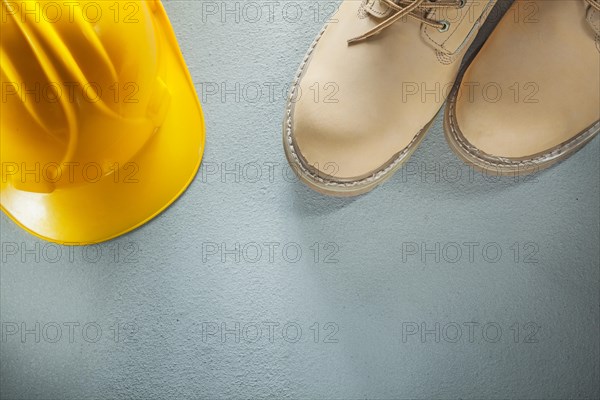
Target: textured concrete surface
[{"x": 443, "y": 283}]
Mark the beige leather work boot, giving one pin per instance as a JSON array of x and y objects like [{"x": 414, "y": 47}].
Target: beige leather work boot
[
  {"x": 531, "y": 97},
  {"x": 371, "y": 84}
]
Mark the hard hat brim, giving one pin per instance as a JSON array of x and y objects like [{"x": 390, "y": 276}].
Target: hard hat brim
[{"x": 162, "y": 170}]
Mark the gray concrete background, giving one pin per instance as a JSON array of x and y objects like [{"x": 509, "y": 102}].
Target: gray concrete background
[{"x": 392, "y": 305}]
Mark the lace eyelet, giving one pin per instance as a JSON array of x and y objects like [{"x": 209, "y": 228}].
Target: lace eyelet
[
  {"x": 445, "y": 26},
  {"x": 462, "y": 3}
]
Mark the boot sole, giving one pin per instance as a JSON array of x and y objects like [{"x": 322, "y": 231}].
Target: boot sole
[
  {"x": 337, "y": 188},
  {"x": 505, "y": 166}
]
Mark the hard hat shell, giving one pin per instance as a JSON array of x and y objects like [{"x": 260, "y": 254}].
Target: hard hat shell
[{"x": 101, "y": 128}]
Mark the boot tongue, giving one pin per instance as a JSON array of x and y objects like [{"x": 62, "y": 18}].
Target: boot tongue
[
  {"x": 593, "y": 18},
  {"x": 376, "y": 8}
]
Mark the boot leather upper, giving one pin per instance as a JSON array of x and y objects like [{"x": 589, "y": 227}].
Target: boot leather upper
[
  {"x": 376, "y": 112},
  {"x": 553, "y": 57}
]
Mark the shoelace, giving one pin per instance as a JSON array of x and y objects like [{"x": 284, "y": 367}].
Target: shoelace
[
  {"x": 412, "y": 8},
  {"x": 594, "y": 4}
]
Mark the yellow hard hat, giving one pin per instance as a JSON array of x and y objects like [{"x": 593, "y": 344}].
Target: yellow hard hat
[{"x": 101, "y": 128}]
